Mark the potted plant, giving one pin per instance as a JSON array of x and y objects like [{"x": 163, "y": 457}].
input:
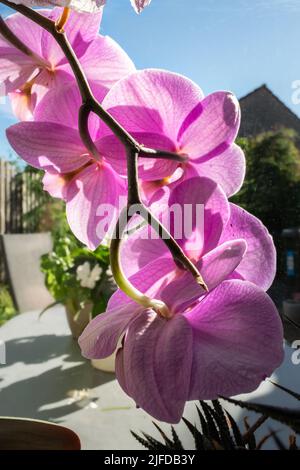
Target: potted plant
[{"x": 79, "y": 279}]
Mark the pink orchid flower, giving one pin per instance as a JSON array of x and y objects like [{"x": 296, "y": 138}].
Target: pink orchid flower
[
  {"x": 224, "y": 342},
  {"x": 223, "y": 222},
  {"x": 164, "y": 110},
  {"x": 52, "y": 143},
  {"x": 28, "y": 77},
  {"x": 87, "y": 6}
]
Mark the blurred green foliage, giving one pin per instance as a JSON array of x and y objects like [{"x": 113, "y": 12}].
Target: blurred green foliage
[
  {"x": 60, "y": 269},
  {"x": 7, "y": 309},
  {"x": 271, "y": 190}
]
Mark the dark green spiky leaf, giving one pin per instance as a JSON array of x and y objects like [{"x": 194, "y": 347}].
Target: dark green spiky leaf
[
  {"x": 195, "y": 433},
  {"x": 168, "y": 441},
  {"x": 222, "y": 423},
  {"x": 156, "y": 445},
  {"x": 176, "y": 441},
  {"x": 290, "y": 417},
  {"x": 213, "y": 432},
  {"x": 141, "y": 440},
  {"x": 287, "y": 390},
  {"x": 203, "y": 423},
  {"x": 235, "y": 431}
]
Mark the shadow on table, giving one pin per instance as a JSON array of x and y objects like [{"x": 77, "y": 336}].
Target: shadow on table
[
  {"x": 38, "y": 349},
  {"x": 53, "y": 393}
]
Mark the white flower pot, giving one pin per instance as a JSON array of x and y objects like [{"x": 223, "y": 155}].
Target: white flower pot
[{"x": 106, "y": 365}]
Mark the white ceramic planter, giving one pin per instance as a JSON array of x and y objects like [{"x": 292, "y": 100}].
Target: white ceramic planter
[{"x": 106, "y": 365}]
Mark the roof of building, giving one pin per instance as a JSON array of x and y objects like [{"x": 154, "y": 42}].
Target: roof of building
[{"x": 263, "y": 111}]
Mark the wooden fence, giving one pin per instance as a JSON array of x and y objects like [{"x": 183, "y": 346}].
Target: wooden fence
[{"x": 17, "y": 201}]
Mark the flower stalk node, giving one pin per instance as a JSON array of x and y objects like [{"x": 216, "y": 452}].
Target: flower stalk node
[{"x": 61, "y": 22}]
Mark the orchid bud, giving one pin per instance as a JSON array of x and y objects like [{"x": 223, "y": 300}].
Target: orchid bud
[{"x": 139, "y": 5}]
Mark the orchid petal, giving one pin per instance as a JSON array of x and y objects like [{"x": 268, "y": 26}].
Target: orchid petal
[
  {"x": 68, "y": 97},
  {"x": 149, "y": 168},
  {"x": 204, "y": 213},
  {"x": 100, "y": 338},
  {"x": 149, "y": 281},
  {"x": 153, "y": 101},
  {"x": 87, "y": 6},
  {"x": 48, "y": 146},
  {"x": 215, "y": 267},
  {"x": 93, "y": 202},
  {"x": 28, "y": 32},
  {"x": 156, "y": 363},
  {"x": 55, "y": 184},
  {"x": 105, "y": 62},
  {"x": 81, "y": 29},
  {"x": 238, "y": 341},
  {"x": 214, "y": 129},
  {"x": 227, "y": 169},
  {"x": 259, "y": 263}
]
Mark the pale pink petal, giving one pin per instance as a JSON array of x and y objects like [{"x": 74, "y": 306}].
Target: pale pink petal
[
  {"x": 204, "y": 212},
  {"x": 259, "y": 262},
  {"x": 48, "y": 146},
  {"x": 68, "y": 97},
  {"x": 87, "y": 6},
  {"x": 24, "y": 101},
  {"x": 15, "y": 69},
  {"x": 153, "y": 101},
  {"x": 105, "y": 62},
  {"x": 140, "y": 249},
  {"x": 154, "y": 365},
  {"x": 22, "y": 105},
  {"x": 227, "y": 169},
  {"x": 150, "y": 281},
  {"x": 55, "y": 184},
  {"x": 214, "y": 128},
  {"x": 238, "y": 341},
  {"x": 92, "y": 203},
  {"x": 215, "y": 267},
  {"x": 201, "y": 213},
  {"x": 101, "y": 336},
  {"x": 81, "y": 30},
  {"x": 150, "y": 169},
  {"x": 28, "y": 32}
]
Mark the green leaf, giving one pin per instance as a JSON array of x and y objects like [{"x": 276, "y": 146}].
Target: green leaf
[
  {"x": 57, "y": 302},
  {"x": 290, "y": 417},
  {"x": 287, "y": 390}
]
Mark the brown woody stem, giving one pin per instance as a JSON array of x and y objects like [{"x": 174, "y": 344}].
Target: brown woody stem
[{"x": 133, "y": 148}]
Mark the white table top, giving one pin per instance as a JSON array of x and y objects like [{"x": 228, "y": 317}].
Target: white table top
[{"x": 45, "y": 377}]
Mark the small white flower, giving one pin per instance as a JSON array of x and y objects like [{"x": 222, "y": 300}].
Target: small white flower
[
  {"x": 109, "y": 272},
  {"x": 88, "y": 277}
]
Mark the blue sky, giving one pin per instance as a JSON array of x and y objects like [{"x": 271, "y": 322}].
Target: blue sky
[{"x": 221, "y": 44}]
